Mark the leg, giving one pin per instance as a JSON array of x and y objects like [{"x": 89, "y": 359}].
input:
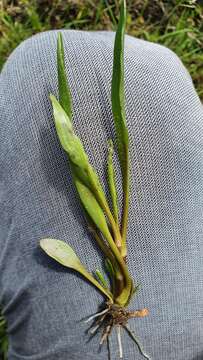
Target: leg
[{"x": 43, "y": 302}]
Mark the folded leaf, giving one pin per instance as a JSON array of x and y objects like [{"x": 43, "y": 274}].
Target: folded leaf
[
  {"x": 118, "y": 108},
  {"x": 81, "y": 168},
  {"x": 64, "y": 90},
  {"x": 93, "y": 208},
  {"x": 112, "y": 274},
  {"x": 101, "y": 278},
  {"x": 74, "y": 148},
  {"x": 65, "y": 255},
  {"x": 69, "y": 141},
  {"x": 111, "y": 181},
  {"x": 117, "y": 90}
]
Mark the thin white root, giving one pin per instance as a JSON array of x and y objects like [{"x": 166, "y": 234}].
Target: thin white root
[
  {"x": 105, "y": 335},
  {"x": 108, "y": 347},
  {"x": 94, "y": 329},
  {"x": 135, "y": 339},
  {"x": 96, "y": 315},
  {"x": 98, "y": 324},
  {"x": 119, "y": 341}
]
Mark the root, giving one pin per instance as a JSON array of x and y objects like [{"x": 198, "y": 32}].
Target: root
[
  {"x": 108, "y": 348},
  {"x": 135, "y": 339},
  {"x": 97, "y": 325},
  {"x": 115, "y": 316},
  {"x": 96, "y": 315},
  {"x": 119, "y": 342},
  {"x": 106, "y": 333}
]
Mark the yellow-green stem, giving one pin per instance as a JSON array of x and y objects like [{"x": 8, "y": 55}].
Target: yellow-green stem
[
  {"x": 105, "y": 207},
  {"x": 125, "y": 293},
  {"x": 125, "y": 211}
]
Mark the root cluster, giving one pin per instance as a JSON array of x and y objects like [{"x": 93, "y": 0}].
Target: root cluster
[{"x": 114, "y": 316}]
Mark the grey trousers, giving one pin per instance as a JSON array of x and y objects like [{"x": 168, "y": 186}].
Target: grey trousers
[{"x": 45, "y": 303}]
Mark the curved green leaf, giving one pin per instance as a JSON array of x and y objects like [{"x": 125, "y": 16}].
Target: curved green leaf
[
  {"x": 64, "y": 91},
  {"x": 81, "y": 168},
  {"x": 65, "y": 255},
  {"x": 69, "y": 141},
  {"x": 74, "y": 148},
  {"x": 118, "y": 109}
]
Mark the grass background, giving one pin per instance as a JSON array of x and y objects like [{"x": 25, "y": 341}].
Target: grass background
[{"x": 177, "y": 24}]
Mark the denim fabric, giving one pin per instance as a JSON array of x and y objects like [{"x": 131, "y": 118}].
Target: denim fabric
[{"x": 43, "y": 302}]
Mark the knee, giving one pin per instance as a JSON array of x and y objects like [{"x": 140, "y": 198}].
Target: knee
[{"x": 162, "y": 104}]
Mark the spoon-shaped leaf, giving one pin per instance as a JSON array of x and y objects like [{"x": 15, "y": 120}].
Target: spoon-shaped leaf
[
  {"x": 65, "y": 255},
  {"x": 118, "y": 108},
  {"x": 64, "y": 90}
]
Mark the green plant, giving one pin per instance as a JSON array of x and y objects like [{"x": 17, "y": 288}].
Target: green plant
[{"x": 108, "y": 232}]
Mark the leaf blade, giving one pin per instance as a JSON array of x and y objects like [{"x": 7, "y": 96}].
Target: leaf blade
[
  {"x": 117, "y": 89},
  {"x": 92, "y": 207},
  {"x": 69, "y": 141},
  {"x": 101, "y": 278},
  {"x": 64, "y": 90},
  {"x": 65, "y": 255},
  {"x": 118, "y": 109},
  {"x": 111, "y": 181},
  {"x": 78, "y": 157}
]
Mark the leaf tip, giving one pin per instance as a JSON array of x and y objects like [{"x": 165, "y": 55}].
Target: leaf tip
[
  {"x": 44, "y": 243},
  {"x": 60, "y": 41}
]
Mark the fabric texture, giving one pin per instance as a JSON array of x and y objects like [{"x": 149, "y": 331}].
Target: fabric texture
[{"x": 45, "y": 303}]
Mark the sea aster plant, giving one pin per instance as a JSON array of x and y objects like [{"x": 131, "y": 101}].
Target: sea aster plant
[{"x": 102, "y": 217}]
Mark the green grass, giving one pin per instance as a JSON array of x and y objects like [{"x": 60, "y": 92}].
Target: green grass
[{"x": 177, "y": 24}]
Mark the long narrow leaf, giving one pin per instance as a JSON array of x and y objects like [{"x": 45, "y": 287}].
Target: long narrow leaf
[
  {"x": 111, "y": 181},
  {"x": 65, "y": 255},
  {"x": 79, "y": 159},
  {"x": 87, "y": 182},
  {"x": 64, "y": 90},
  {"x": 111, "y": 272},
  {"x": 66, "y": 103},
  {"x": 101, "y": 278},
  {"x": 117, "y": 90},
  {"x": 118, "y": 108},
  {"x": 93, "y": 208}
]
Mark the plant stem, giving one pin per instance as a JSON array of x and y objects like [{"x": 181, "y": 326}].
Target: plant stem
[
  {"x": 108, "y": 253},
  {"x": 105, "y": 207},
  {"x": 125, "y": 290},
  {"x": 125, "y": 211}
]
